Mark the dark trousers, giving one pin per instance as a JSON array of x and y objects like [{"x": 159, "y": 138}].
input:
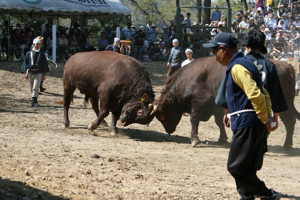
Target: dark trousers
[
  {"x": 172, "y": 70},
  {"x": 246, "y": 154}
]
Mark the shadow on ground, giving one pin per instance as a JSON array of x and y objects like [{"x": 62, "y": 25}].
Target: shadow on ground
[{"x": 15, "y": 190}]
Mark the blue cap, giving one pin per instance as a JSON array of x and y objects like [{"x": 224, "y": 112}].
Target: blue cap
[{"x": 224, "y": 38}]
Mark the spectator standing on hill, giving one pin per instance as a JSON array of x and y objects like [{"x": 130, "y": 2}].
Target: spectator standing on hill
[
  {"x": 35, "y": 66},
  {"x": 175, "y": 58},
  {"x": 128, "y": 32},
  {"x": 216, "y": 15},
  {"x": 172, "y": 33},
  {"x": 165, "y": 35},
  {"x": 188, "y": 20}
]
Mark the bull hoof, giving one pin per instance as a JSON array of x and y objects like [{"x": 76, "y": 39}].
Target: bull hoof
[
  {"x": 90, "y": 127},
  {"x": 85, "y": 104},
  {"x": 103, "y": 123},
  {"x": 195, "y": 142},
  {"x": 222, "y": 141},
  {"x": 287, "y": 147},
  {"x": 112, "y": 134},
  {"x": 66, "y": 125}
]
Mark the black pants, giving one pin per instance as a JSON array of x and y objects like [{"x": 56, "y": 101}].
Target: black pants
[{"x": 246, "y": 154}]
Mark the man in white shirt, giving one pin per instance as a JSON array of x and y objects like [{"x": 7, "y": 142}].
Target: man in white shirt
[{"x": 271, "y": 22}]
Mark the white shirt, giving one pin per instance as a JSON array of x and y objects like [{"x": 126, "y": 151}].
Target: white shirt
[{"x": 187, "y": 61}]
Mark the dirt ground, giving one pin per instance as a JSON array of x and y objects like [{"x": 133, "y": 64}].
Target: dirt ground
[{"x": 39, "y": 159}]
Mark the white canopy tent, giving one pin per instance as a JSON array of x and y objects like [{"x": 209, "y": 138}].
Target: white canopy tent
[{"x": 64, "y": 9}]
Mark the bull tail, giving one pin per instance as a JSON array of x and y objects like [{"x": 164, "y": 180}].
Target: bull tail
[{"x": 61, "y": 102}]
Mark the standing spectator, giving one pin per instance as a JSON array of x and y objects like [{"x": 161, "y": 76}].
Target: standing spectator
[
  {"x": 91, "y": 42},
  {"x": 175, "y": 58},
  {"x": 18, "y": 44},
  {"x": 109, "y": 34},
  {"x": 245, "y": 94},
  {"x": 172, "y": 33},
  {"x": 235, "y": 27},
  {"x": 63, "y": 47},
  {"x": 165, "y": 35},
  {"x": 148, "y": 26},
  {"x": 259, "y": 17},
  {"x": 188, "y": 20},
  {"x": 46, "y": 27},
  {"x": 271, "y": 23},
  {"x": 128, "y": 32},
  {"x": 152, "y": 34},
  {"x": 103, "y": 42},
  {"x": 189, "y": 54},
  {"x": 140, "y": 37},
  {"x": 5, "y": 42},
  {"x": 35, "y": 66}
]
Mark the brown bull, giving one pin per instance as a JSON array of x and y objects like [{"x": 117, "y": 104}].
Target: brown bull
[
  {"x": 116, "y": 80},
  {"x": 193, "y": 90}
]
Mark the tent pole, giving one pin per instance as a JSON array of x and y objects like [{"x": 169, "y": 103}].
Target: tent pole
[
  {"x": 8, "y": 31},
  {"x": 54, "y": 42}
]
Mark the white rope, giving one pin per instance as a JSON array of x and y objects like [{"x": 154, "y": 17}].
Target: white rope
[{"x": 239, "y": 112}]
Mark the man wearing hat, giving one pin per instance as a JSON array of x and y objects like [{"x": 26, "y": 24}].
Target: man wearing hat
[
  {"x": 297, "y": 23},
  {"x": 128, "y": 32},
  {"x": 152, "y": 34},
  {"x": 259, "y": 17},
  {"x": 165, "y": 36},
  {"x": 189, "y": 55},
  {"x": 295, "y": 9},
  {"x": 248, "y": 106},
  {"x": 175, "y": 58},
  {"x": 109, "y": 34},
  {"x": 117, "y": 48},
  {"x": 35, "y": 66}
]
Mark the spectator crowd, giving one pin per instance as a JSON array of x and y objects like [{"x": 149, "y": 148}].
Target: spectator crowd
[{"x": 281, "y": 27}]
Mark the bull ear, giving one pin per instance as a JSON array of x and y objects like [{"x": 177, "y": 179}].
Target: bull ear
[
  {"x": 166, "y": 102},
  {"x": 144, "y": 98}
]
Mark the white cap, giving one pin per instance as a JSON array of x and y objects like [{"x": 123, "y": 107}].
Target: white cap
[
  {"x": 267, "y": 29},
  {"x": 189, "y": 50},
  {"x": 36, "y": 40},
  {"x": 175, "y": 40},
  {"x": 153, "y": 25},
  {"x": 259, "y": 8},
  {"x": 220, "y": 23},
  {"x": 117, "y": 39},
  {"x": 141, "y": 27}
]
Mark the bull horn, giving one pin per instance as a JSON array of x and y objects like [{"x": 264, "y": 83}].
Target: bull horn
[
  {"x": 148, "y": 123},
  {"x": 150, "y": 106},
  {"x": 154, "y": 109}
]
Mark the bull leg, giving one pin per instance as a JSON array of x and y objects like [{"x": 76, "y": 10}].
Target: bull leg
[
  {"x": 289, "y": 121},
  {"x": 68, "y": 96},
  {"x": 86, "y": 101},
  {"x": 95, "y": 106},
  {"x": 114, "y": 118},
  {"x": 194, "y": 133},
  {"x": 219, "y": 121}
]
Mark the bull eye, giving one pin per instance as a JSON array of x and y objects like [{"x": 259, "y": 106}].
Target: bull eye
[
  {"x": 162, "y": 118},
  {"x": 140, "y": 112}
]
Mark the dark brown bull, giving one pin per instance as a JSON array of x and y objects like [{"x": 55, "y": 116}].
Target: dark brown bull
[
  {"x": 116, "y": 80},
  {"x": 193, "y": 90}
]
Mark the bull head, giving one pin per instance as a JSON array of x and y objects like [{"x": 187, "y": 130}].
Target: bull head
[{"x": 136, "y": 112}]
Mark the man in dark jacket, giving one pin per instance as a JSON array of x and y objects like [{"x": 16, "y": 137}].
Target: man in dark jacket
[{"x": 35, "y": 66}]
